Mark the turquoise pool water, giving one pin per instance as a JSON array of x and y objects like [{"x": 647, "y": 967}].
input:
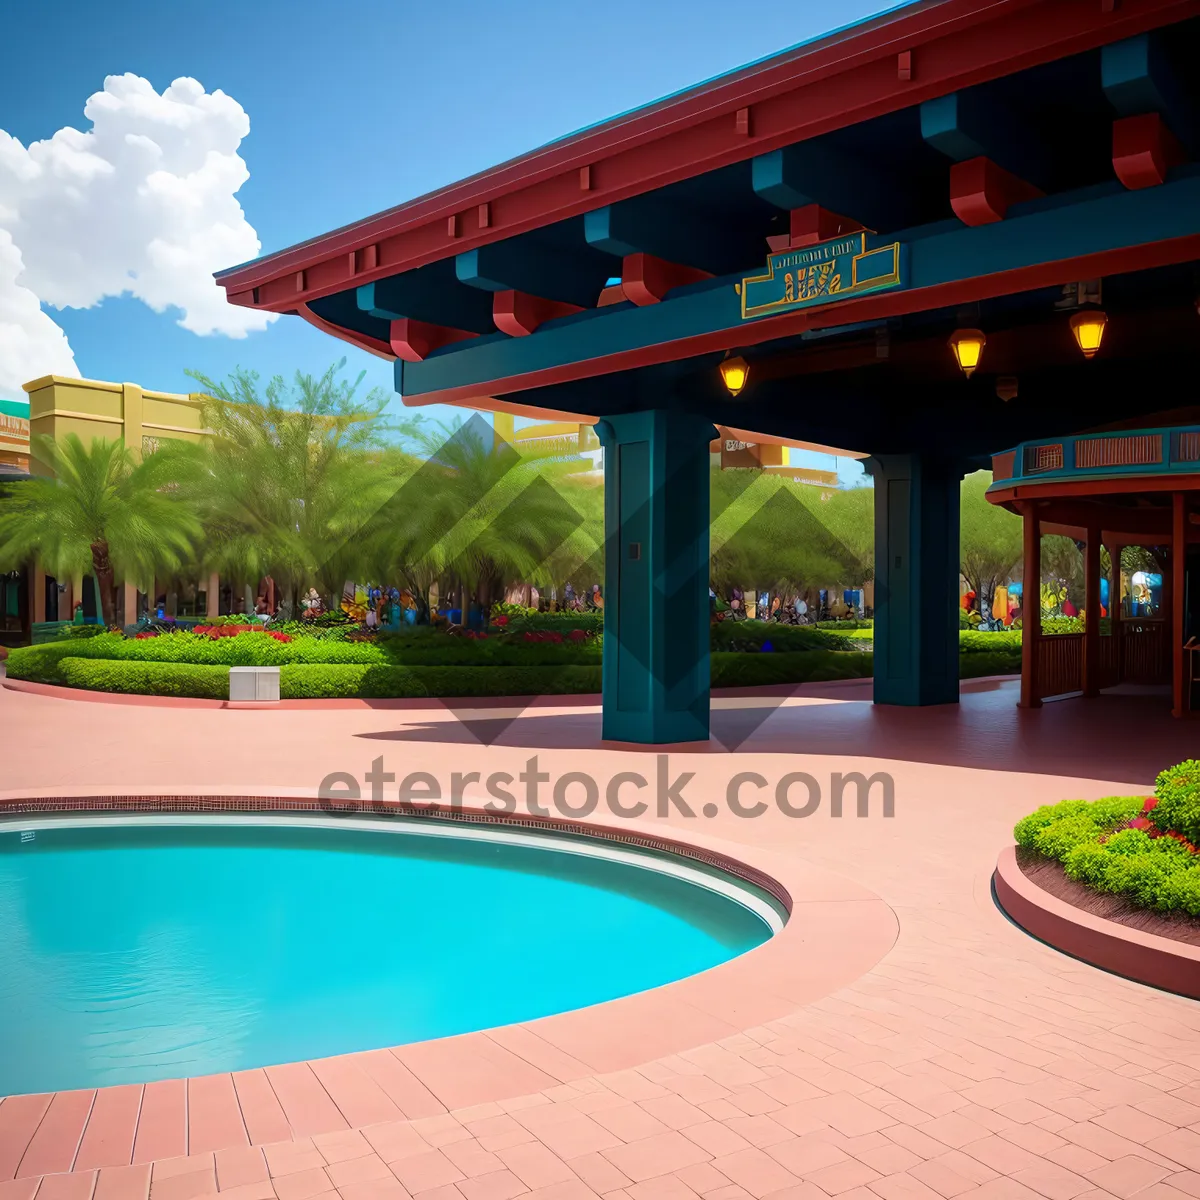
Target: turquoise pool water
[{"x": 140, "y": 952}]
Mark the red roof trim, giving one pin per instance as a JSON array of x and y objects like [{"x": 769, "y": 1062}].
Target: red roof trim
[
  {"x": 953, "y": 44},
  {"x": 868, "y": 308}
]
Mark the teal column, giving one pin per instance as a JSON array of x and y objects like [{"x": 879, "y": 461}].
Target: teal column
[
  {"x": 916, "y": 579},
  {"x": 656, "y": 611}
]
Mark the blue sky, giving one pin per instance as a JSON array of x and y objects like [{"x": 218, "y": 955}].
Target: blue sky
[{"x": 354, "y": 108}]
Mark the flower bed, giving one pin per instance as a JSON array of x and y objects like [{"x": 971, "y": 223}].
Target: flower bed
[
  {"x": 427, "y": 661},
  {"x": 1143, "y": 850}
]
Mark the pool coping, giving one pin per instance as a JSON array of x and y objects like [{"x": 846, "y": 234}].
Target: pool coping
[{"x": 836, "y": 932}]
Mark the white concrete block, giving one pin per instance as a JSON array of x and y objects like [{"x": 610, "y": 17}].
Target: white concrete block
[{"x": 254, "y": 684}]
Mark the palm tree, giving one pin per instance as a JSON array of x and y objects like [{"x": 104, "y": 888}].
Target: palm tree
[
  {"x": 477, "y": 516},
  {"x": 296, "y": 477},
  {"x": 103, "y": 512}
]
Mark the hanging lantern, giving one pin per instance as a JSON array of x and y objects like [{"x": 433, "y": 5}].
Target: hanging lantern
[
  {"x": 1088, "y": 327},
  {"x": 968, "y": 345},
  {"x": 734, "y": 373}
]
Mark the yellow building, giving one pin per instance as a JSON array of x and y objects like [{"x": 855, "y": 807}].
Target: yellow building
[
  {"x": 14, "y": 437},
  {"x": 91, "y": 408},
  {"x": 59, "y": 406}
]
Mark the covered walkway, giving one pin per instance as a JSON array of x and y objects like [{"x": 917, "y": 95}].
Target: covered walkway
[{"x": 1110, "y": 489}]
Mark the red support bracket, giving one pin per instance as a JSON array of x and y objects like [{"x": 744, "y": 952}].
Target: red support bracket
[
  {"x": 1144, "y": 149},
  {"x": 519, "y": 314},
  {"x": 812, "y": 224},
  {"x": 416, "y": 340},
  {"x": 981, "y": 191},
  {"x": 646, "y": 279},
  {"x": 361, "y": 340}
]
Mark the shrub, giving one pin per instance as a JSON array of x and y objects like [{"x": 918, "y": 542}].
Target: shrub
[
  {"x": 147, "y": 678},
  {"x": 1098, "y": 848},
  {"x": 1178, "y": 808},
  {"x": 42, "y": 663},
  {"x": 757, "y": 670},
  {"x": 998, "y": 662},
  {"x": 750, "y": 635},
  {"x": 76, "y": 632},
  {"x": 530, "y": 620},
  {"x": 312, "y": 681},
  {"x": 380, "y": 682},
  {"x": 978, "y": 641}
]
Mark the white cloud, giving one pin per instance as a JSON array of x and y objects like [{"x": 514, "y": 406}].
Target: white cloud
[
  {"x": 143, "y": 203},
  {"x": 31, "y": 344}
]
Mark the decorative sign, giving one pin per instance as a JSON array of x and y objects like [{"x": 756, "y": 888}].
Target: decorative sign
[{"x": 824, "y": 274}]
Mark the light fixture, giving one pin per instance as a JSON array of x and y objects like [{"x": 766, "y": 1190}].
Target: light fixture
[
  {"x": 1006, "y": 387},
  {"x": 734, "y": 373},
  {"x": 1088, "y": 327},
  {"x": 968, "y": 345}
]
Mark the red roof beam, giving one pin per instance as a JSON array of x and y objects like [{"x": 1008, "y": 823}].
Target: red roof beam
[{"x": 840, "y": 80}]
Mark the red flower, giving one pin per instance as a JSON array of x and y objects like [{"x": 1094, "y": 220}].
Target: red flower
[{"x": 501, "y": 621}]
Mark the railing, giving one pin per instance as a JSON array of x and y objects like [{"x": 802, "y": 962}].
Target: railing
[
  {"x": 1144, "y": 652},
  {"x": 1060, "y": 664},
  {"x": 1110, "y": 661},
  {"x": 1137, "y": 452}
]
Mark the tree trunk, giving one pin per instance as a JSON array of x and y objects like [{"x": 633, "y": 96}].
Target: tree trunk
[{"x": 102, "y": 566}]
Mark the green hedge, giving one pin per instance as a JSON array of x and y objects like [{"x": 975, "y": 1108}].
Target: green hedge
[
  {"x": 1178, "y": 792},
  {"x": 41, "y": 663},
  {"x": 326, "y": 682},
  {"x": 154, "y": 679},
  {"x": 259, "y": 650},
  {"x": 564, "y": 622},
  {"x": 757, "y": 670},
  {"x": 1096, "y": 848},
  {"x": 751, "y": 635},
  {"x": 973, "y": 665},
  {"x": 79, "y": 665},
  {"x": 977, "y": 642}
]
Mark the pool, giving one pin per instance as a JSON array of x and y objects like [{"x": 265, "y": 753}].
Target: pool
[{"x": 150, "y": 947}]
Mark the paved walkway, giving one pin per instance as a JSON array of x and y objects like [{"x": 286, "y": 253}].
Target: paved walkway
[{"x": 968, "y": 1061}]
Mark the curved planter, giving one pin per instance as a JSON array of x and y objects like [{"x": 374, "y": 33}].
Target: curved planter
[{"x": 1144, "y": 957}]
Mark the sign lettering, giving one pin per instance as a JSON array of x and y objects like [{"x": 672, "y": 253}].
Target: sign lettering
[{"x": 823, "y": 274}]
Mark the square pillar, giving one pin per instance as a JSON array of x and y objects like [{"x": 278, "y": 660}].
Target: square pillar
[
  {"x": 1091, "y": 609},
  {"x": 1031, "y": 610},
  {"x": 38, "y": 582},
  {"x": 212, "y": 596},
  {"x": 1114, "y": 607},
  {"x": 916, "y": 579},
  {"x": 656, "y": 611},
  {"x": 1180, "y": 700},
  {"x": 129, "y": 604}
]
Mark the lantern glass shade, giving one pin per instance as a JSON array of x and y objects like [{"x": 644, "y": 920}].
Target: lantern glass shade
[
  {"x": 968, "y": 345},
  {"x": 1088, "y": 328},
  {"x": 734, "y": 373}
]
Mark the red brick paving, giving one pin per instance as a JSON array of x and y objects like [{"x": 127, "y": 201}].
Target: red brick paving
[{"x": 969, "y": 1061}]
